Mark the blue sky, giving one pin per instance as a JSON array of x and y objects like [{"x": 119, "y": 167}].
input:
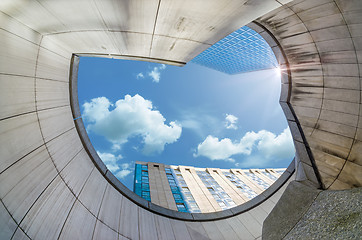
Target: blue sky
[{"x": 191, "y": 115}]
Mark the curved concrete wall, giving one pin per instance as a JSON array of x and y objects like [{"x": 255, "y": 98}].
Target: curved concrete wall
[
  {"x": 50, "y": 188},
  {"x": 322, "y": 41}
]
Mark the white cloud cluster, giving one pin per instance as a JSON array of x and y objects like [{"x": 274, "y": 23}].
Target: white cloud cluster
[
  {"x": 155, "y": 74},
  {"x": 120, "y": 170},
  {"x": 126, "y": 170},
  {"x": 266, "y": 143},
  {"x": 230, "y": 121},
  {"x": 280, "y": 146},
  {"x": 140, "y": 75},
  {"x": 110, "y": 160},
  {"x": 131, "y": 116}
]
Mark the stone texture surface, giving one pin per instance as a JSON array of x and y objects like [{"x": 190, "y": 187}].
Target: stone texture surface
[
  {"x": 333, "y": 215},
  {"x": 291, "y": 207}
]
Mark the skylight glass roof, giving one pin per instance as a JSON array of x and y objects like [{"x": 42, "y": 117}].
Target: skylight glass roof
[{"x": 242, "y": 51}]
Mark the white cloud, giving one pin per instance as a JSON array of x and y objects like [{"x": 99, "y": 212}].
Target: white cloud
[
  {"x": 223, "y": 149},
  {"x": 131, "y": 116},
  {"x": 200, "y": 121},
  {"x": 97, "y": 109},
  {"x": 123, "y": 173},
  {"x": 264, "y": 142},
  {"x": 140, "y": 75},
  {"x": 110, "y": 160},
  {"x": 231, "y": 121},
  {"x": 277, "y": 146},
  {"x": 125, "y": 165},
  {"x": 155, "y": 74},
  {"x": 115, "y": 147},
  {"x": 120, "y": 170}
]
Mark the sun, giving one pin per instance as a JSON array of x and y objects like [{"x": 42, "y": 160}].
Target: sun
[{"x": 277, "y": 71}]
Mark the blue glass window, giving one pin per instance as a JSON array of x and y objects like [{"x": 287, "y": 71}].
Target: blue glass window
[
  {"x": 146, "y": 195},
  {"x": 184, "y": 192},
  {"x": 221, "y": 197},
  {"x": 240, "y": 185},
  {"x": 177, "y": 197},
  {"x": 141, "y": 182},
  {"x": 257, "y": 179},
  {"x": 242, "y": 51},
  {"x": 269, "y": 175},
  {"x": 145, "y": 186},
  {"x": 181, "y": 207}
]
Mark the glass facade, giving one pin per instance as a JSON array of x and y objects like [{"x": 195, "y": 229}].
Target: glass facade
[
  {"x": 141, "y": 182},
  {"x": 257, "y": 179},
  {"x": 185, "y": 191},
  {"x": 250, "y": 185},
  {"x": 221, "y": 197},
  {"x": 175, "y": 189},
  {"x": 242, "y": 51},
  {"x": 269, "y": 175},
  {"x": 245, "y": 189}
]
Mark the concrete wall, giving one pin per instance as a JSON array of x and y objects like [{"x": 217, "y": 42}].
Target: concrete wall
[
  {"x": 43, "y": 192},
  {"x": 322, "y": 41},
  {"x": 160, "y": 189}
]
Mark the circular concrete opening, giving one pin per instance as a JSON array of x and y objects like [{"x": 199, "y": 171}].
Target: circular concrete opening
[{"x": 282, "y": 70}]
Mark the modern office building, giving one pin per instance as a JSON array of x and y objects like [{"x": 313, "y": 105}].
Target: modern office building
[
  {"x": 200, "y": 190},
  {"x": 242, "y": 51}
]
